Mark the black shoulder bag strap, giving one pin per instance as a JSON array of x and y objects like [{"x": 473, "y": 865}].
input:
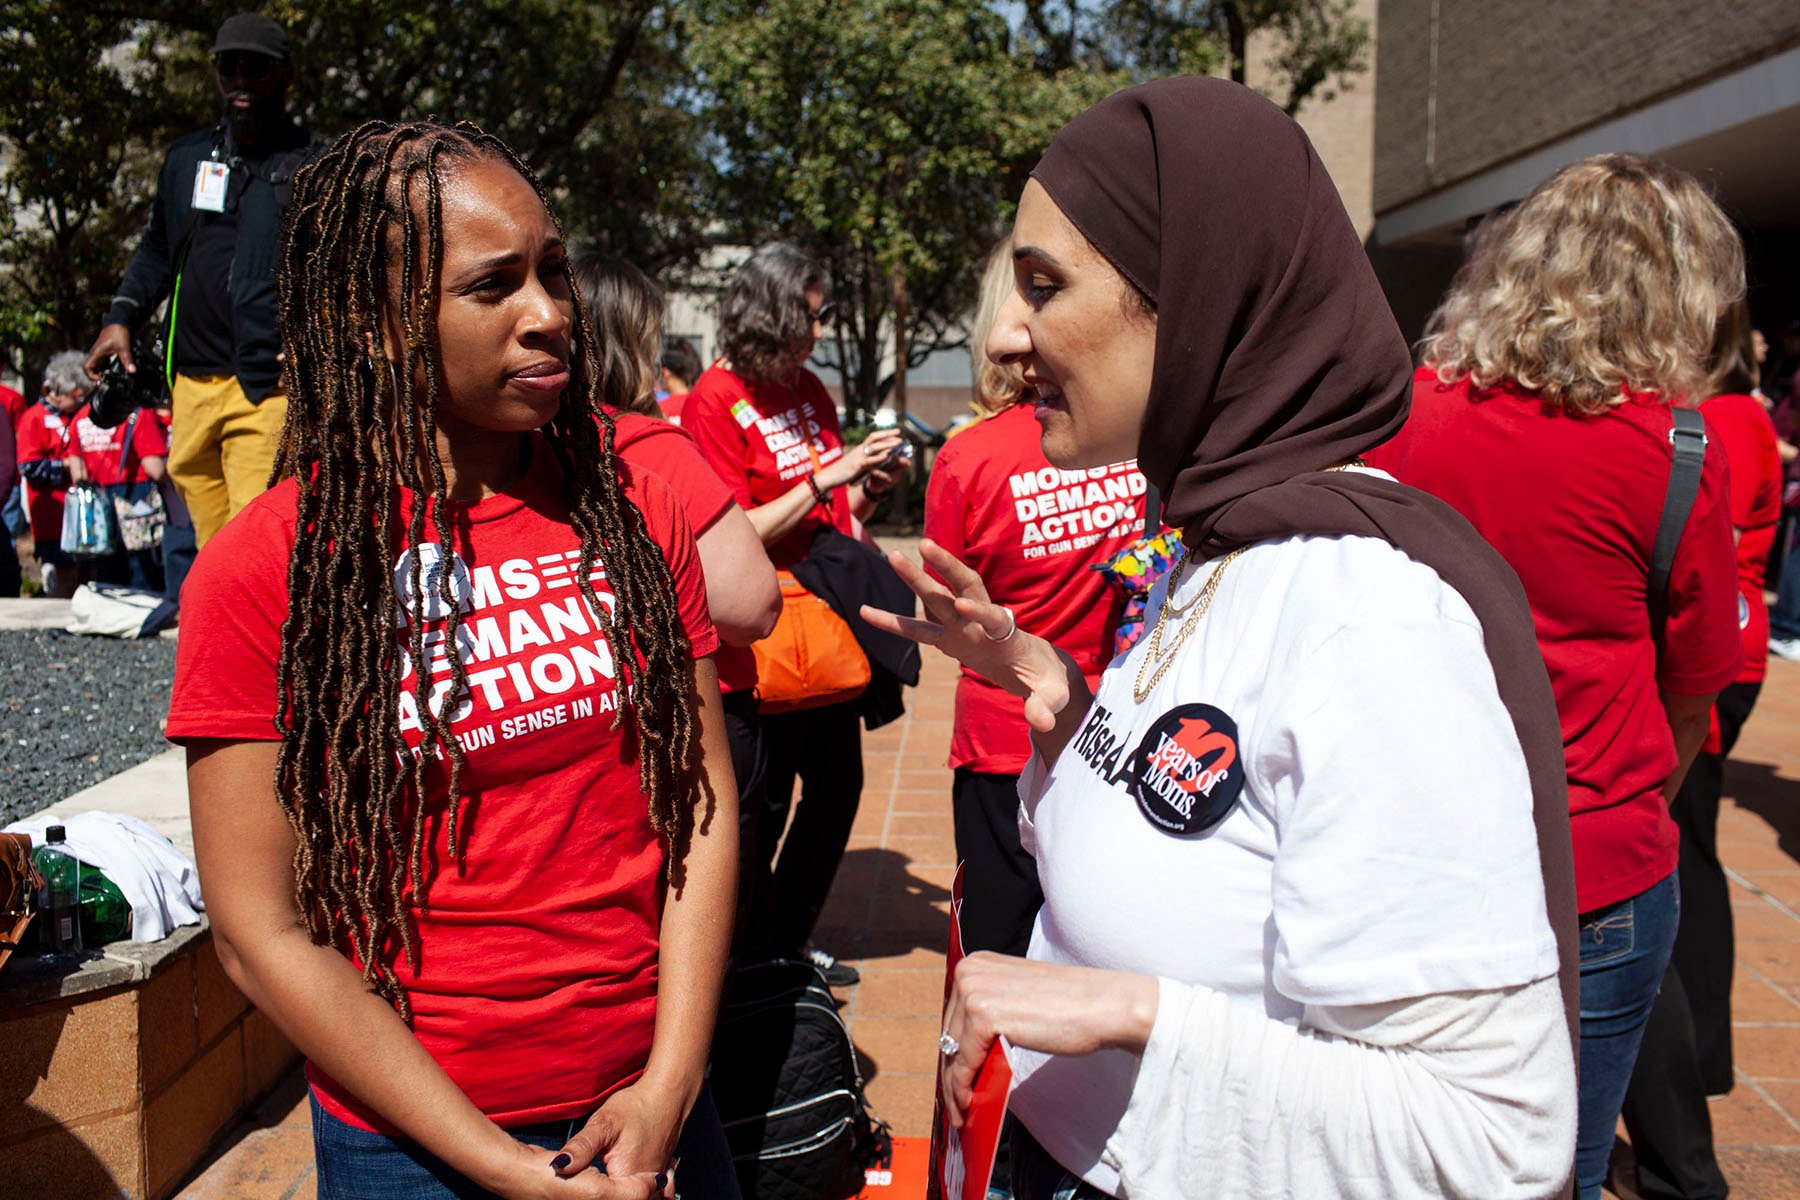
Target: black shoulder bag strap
[
  {"x": 1152, "y": 511},
  {"x": 125, "y": 450},
  {"x": 1688, "y": 437}
]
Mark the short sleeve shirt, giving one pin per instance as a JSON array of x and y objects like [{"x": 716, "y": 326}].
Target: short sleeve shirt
[
  {"x": 537, "y": 976},
  {"x": 668, "y": 450},
  {"x": 1744, "y": 429},
  {"x": 1334, "y": 716},
  {"x": 105, "y": 452},
  {"x": 1034, "y": 534},
  {"x": 1572, "y": 503},
  {"x": 763, "y": 438}
]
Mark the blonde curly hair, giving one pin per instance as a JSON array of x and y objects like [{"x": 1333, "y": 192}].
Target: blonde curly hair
[
  {"x": 1609, "y": 277},
  {"x": 997, "y": 386}
]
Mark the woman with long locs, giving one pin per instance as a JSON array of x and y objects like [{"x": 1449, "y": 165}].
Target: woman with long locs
[{"x": 461, "y": 797}]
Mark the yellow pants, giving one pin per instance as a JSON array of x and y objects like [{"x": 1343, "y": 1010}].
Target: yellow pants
[{"x": 221, "y": 447}]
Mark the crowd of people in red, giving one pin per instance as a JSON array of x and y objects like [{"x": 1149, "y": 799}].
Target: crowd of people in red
[{"x": 1338, "y": 746}]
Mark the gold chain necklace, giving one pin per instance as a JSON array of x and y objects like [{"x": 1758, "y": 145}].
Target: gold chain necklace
[{"x": 1154, "y": 654}]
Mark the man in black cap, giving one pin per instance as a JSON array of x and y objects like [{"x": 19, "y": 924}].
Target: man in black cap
[{"x": 212, "y": 249}]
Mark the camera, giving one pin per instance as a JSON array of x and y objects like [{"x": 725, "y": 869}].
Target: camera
[
  {"x": 901, "y": 453},
  {"x": 119, "y": 392}
]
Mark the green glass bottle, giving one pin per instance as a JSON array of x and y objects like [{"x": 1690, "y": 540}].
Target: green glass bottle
[{"x": 105, "y": 913}]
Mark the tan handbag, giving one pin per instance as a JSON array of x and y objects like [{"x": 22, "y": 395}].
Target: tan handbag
[
  {"x": 811, "y": 659},
  {"x": 19, "y": 884}
]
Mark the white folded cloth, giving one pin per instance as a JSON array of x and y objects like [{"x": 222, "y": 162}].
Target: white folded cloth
[{"x": 159, "y": 882}]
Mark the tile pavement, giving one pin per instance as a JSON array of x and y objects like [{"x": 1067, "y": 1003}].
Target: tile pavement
[{"x": 889, "y": 911}]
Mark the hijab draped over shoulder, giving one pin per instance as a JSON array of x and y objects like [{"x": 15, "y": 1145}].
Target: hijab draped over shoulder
[{"x": 1277, "y": 357}]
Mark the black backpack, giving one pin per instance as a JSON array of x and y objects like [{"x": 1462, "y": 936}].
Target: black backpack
[{"x": 785, "y": 1080}]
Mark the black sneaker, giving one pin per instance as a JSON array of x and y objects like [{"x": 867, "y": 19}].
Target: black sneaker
[{"x": 835, "y": 973}]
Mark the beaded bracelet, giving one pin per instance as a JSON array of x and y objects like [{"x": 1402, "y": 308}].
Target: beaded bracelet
[{"x": 822, "y": 495}]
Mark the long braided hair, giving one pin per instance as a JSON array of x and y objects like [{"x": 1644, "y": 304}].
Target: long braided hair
[{"x": 361, "y": 249}]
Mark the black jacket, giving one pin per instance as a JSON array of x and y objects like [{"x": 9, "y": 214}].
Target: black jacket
[
  {"x": 256, "y": 327},
  {"x": 847, "y": 575}
]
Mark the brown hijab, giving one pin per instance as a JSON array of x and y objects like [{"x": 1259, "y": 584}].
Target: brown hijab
[{"x": 1276, "y": 357}]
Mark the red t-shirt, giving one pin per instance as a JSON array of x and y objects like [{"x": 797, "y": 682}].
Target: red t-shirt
[
  {"x": 14, "y": 405},
  {"x": 105, "y": 455},
  {"x": 1572, "y": 503},
  {"x": 536, "y": 987},
  {"x": 45, "y": 433},
  {"x": 1033, "y": 533},
  {"x": 762, "y": 439},
  {"x": 672, "y": 405},
  {"x": 1744, "y": 429},
  {"x": 669, "y": 451}
]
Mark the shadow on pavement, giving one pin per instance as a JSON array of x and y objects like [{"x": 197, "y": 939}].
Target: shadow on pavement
[{"x": 1757, "y": 788}]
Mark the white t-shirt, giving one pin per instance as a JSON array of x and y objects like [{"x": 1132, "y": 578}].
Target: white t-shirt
[{"x": 1336, "y": 714}]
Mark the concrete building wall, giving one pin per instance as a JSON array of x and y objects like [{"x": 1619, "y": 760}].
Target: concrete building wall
[
  {"x": 1466, "y": 84},
  {"x": 1340, "y": 121}
]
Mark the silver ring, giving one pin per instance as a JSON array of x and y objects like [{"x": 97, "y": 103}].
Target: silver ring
[
  {"x": 947, "y": 1045},
  {"x": 1012, "y": 626}
]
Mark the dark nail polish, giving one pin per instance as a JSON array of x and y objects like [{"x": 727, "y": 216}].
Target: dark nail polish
[{"x": 560, "y": 1161}]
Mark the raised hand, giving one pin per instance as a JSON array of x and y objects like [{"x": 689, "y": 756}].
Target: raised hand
[{"x": 984, "y": 636}]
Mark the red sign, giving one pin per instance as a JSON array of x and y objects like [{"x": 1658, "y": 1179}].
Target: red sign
[{"x": 962, "y": 1160}]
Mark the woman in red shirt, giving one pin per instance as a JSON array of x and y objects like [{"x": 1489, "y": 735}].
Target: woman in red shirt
[
  {"x": 1542, "y": 415},
  {"x": 1035, "y": 534},
  {"x": 47, "y": 444},
  {"x": 1686, "y": 1054},
  {"x": 627, "y": 312},
  {"x": 459, "y": 783},
  {"x": 741, "y": 590},
  {"x": 769, "y": 428}
]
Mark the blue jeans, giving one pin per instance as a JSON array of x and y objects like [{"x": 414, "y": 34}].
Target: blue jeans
[
  {"x": 1784, "y": 616},
  {"x": 1624, "y": 951},
  {"x": 356, "y": 1164},
  {"x": 12, "y": 513}
]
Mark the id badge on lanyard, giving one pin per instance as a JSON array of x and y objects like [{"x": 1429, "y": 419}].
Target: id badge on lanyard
[{"x": 211, "y": 180}]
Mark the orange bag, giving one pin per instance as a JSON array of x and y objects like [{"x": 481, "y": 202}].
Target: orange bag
[{"x": 811, "y": 659}]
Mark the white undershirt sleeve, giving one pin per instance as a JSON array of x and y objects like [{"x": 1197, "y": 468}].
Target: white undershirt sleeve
[{"x": 1461, "y": 1094}]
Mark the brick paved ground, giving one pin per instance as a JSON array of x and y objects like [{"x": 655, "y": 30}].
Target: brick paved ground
[{"x": 889, "y": 914}]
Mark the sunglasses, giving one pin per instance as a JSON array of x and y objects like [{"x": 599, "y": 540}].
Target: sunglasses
[
  {"x": 823, "y": 314},
  {"x": 238, "y": 65}
]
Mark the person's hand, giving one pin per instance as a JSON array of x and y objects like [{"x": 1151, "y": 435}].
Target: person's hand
[
  {"x": 884, "y": 477},
  {"x": 76, "y": 468},
  {"x": 858, "y": 460},
  {"x": 528, "y": 1174},
  {"x": 982, "y": 635},
  {"x": 113, "y": 340},
  {"x": 1041, "y": 1006},
  {"x": 633, "y": 1133}
]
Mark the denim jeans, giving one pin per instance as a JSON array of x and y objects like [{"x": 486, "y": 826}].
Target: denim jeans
[
  {"x": 1784, "y": 614},
  {"x": 357, "y": 1164},
  {"x": 1624, "y": 951}
]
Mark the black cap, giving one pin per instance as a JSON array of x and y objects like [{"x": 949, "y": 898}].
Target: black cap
[
  {"x": 54, "y": 834},
  {"x": 254, "y": 34}
]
